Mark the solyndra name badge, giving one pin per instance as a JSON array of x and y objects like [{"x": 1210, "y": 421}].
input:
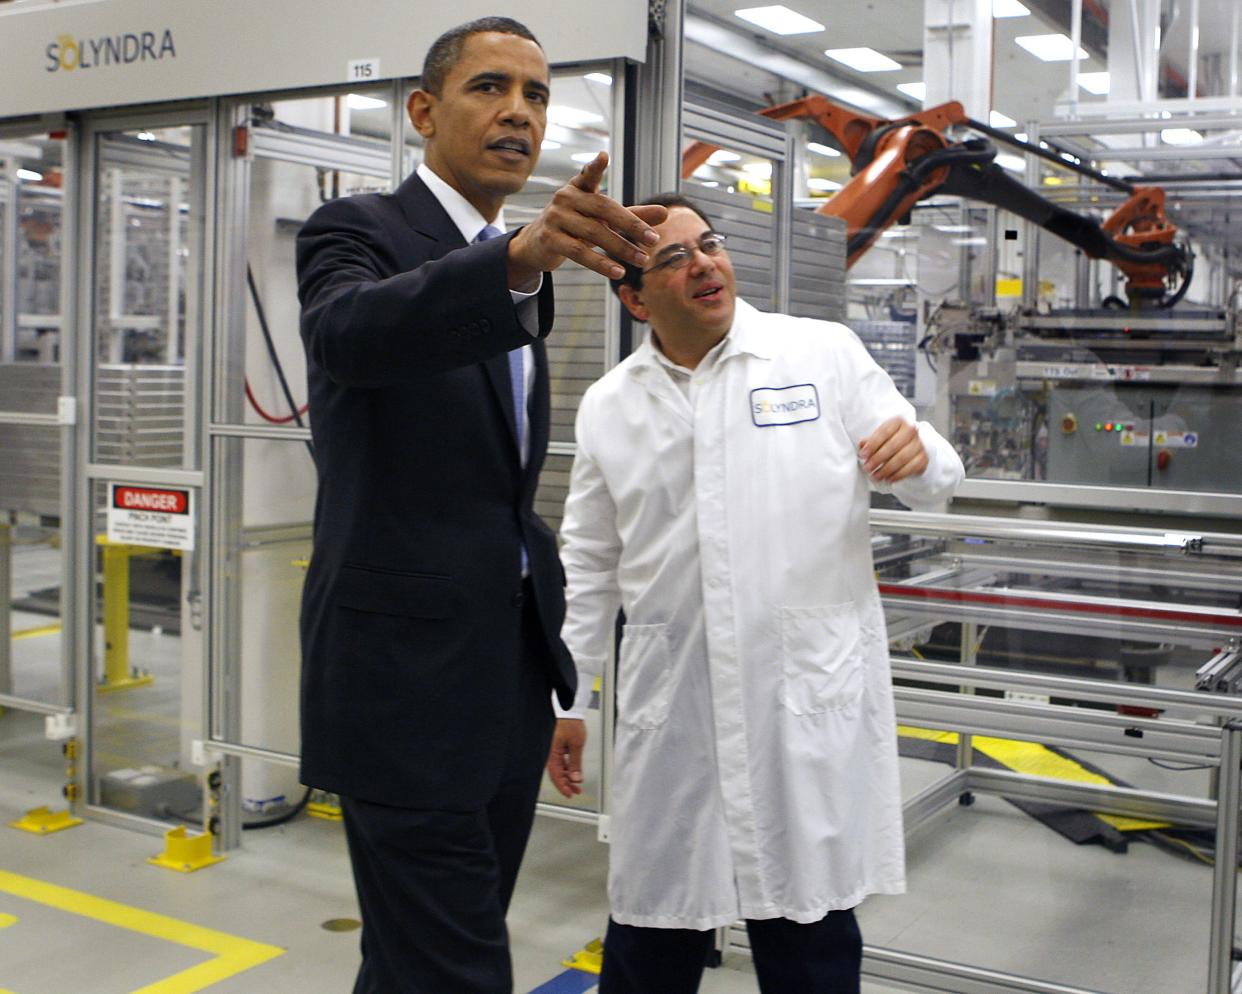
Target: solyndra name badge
[{"x": 771, "y": 406}]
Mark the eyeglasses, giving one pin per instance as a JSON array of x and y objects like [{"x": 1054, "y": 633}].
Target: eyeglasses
[{"x": 710, "y": 243}]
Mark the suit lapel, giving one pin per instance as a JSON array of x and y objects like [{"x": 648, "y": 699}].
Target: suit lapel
[
  {"x": 497, "y": 370},
  {"x": 540, "y": 412},
  {"x": 425, "y": 215}
]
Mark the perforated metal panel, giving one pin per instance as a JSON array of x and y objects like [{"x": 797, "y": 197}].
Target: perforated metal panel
[
  {"x": 29, "y": 454},
  {"x": 140, "y": 415},
  {"x": 817, "y": 267}
]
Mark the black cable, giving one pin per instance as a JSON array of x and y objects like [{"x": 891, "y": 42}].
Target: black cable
[
  {"x": 271, "y": 351},
  {"x": 968, "y": 153},
  {"x": 1177, "y": 768},
  {"x": 1043, "y": 153}
]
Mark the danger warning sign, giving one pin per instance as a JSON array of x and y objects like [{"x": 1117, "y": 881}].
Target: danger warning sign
[{"x": 162, "y": 517}]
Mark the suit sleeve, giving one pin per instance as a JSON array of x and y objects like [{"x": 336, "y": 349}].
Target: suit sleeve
[
  {"x": 370, "y": 320},
  {"x": 869, "y": 398},
  {"x": 590, "y": 552}
]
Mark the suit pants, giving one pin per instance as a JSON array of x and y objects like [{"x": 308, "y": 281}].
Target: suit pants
[
  {"x": 824, "y": 957},
  {"x": 434, "y": 886}
]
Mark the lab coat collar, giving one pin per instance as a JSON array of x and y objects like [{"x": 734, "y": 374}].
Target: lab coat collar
[{"x": 745, "y": 337}]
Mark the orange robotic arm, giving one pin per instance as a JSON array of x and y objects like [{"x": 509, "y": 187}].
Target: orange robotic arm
[{"x": 898, "y": 163}]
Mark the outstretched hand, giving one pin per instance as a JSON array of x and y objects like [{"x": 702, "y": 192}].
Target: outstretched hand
[{"x": 582, "y": 224}]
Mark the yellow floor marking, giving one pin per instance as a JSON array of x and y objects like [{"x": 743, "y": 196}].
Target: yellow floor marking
[
  {"x": 5, "y": 922},
  {"x": 1035, "y": 759},
  {"x": 231, "y": 954},
  {"x": 29, "y": 633}
]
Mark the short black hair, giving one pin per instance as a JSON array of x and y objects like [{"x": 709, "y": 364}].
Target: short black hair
[
  {"x": 445, "y": 51},
  {"x": 633, "y": 275}
]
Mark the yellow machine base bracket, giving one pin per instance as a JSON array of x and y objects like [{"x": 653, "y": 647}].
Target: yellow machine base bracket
[
  {"x": 42, "y": 821},
  {"x": 588, "y": 960},
  {"x": 185, "y": 853}
]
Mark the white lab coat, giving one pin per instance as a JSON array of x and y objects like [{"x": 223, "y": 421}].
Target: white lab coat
[{"x": 756, "y": 747}]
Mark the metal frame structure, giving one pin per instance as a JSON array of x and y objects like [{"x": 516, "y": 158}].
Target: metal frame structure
[{"x": 1146, "y": 722}]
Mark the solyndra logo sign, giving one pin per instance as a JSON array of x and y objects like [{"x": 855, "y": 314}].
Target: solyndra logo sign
[{"x": 67, "y": 53}]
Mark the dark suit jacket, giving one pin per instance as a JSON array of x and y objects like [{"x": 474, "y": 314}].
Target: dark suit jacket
[{"x": 411, "y": 613}]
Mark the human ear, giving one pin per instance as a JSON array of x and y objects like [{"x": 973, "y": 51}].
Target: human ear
[
  {"x": 633, "y": 302},
  {"x": 419, "y": 107}
]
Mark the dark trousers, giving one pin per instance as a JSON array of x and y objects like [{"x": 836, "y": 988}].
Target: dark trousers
[
  {"x": 434, "y": 886},
  {"x": 824, "y": 957}
]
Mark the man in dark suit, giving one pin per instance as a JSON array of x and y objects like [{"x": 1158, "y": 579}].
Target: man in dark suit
[{"x": 433, "y": 602}]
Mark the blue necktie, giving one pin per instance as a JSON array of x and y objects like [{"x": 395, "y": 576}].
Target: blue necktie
[{"x": 517, "y": 383}]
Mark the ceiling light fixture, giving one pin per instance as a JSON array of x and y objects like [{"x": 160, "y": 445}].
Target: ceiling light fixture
[
  {"x": 584, "y": 156},
  {"x": 29, "y": 175},
  {"x": 548, "y": 145},
  {"x": 1009, "y": 8},
  {"x": 999, "y": 120},
  {"x": 917, "y": 90},
  {"x": 823, "y": 185},
  {"x": 1094, "y": 82},
  {"x": 1180, "y": 136},
  {"x": 599, "y": 77},
  {"x": 819, "y": 149},
  {"x": 357, "y": 101},
  {"x": 1051, "y": 48},
  {"x": 721, "y": 156},
  {"x": 863, "y": 59},
  {"x": 779, "y": 20}
]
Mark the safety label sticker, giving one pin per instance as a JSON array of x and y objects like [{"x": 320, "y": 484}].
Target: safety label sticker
[
  {"x": 1177, "y": 439},
  {"x": 160, "y": 517}
]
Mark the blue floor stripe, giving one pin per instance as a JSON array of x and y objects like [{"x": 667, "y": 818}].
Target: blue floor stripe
[{"x": 569, "y": 982}]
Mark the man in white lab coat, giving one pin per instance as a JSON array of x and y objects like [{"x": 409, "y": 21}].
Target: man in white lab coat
[{"x": 719, "y": 496}]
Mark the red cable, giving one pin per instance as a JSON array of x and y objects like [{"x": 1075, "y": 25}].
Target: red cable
[{"x": 271, "y": 417}]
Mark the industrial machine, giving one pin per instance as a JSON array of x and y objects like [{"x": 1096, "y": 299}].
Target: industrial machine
[
  {"x": 897, "y": 163},
  {"x": 1141, "y": 392}
]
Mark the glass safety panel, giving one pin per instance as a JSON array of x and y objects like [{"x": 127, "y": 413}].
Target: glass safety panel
[
  {"x": 305, "y": 152},
  {"x": 146, "y": 603},
  {"x": 147, "y": 292},
  {"x": 264, "y": 553},
  {"x": 31, "y": 563},
  {"x": 146, "y": 676}
]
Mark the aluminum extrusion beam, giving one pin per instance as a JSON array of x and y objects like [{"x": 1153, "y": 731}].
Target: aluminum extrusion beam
[
  {"x": 1071, "y": 727},
  {"x": 1128, "y": 694},
  {"x": 922, "y": 973},
  {"x": 1052, "y": 532},
  {"x": 1129, "y": 802},
  {"x": 1123, "y": 322},
  {"x": 919, "y": 808},
  {"x": 33, "y": 707},
  {"x": 324, "y": 151},
  {"x": 1224, "y": 874}
]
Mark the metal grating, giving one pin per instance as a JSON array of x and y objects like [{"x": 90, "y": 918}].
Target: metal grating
[
  {"x": 29, "y": 454},
  {"x": 140, "y": 415},
  {"x": 892, "y": 345}
]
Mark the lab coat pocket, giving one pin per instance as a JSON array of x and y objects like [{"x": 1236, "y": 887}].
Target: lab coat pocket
[
  {"x": 822, "y": 658},
  {"x": 644, "y": 677}
]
